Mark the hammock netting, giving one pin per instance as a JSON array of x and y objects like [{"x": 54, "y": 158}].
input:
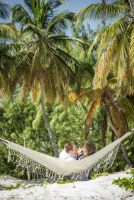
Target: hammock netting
[{"x": 41, "y": 166}]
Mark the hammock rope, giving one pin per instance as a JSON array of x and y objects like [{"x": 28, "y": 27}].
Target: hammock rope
[{"x": 39, "y": 165}]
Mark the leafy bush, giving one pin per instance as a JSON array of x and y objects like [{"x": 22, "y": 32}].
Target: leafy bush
[
  {"x": 99, "y": 174},
  {"x": 16, "y": 125},
  {"x": 127, "y": 183}
]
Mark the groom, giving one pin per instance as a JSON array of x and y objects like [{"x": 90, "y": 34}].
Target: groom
[{"x": 69, "y": 152}]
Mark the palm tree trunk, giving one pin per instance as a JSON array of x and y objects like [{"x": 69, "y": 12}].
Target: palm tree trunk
[
  {"x": 112, "y": 135},
  {"x": 116, "y": 119},
  {"x": 103, "y": 129},
  {"x": 131, "y": 3},
  {"x": 117, "y": 135},
  {"x": 46, "y": 120}
]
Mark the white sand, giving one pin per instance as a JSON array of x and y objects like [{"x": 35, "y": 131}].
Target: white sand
[{"x": 100, "y": 188}]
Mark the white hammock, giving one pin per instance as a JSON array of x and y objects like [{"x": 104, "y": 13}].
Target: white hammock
[{"x": 43, "y": 166}]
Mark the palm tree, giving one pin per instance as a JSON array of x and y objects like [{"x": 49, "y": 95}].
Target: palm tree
[
  {"x": 43, "y": 66},
  {"x": 113, "y": 42},
  {"x": 114, "y": 45},
  {"x": 8, "y": 33},
  {"x": 115, "y": 60}
]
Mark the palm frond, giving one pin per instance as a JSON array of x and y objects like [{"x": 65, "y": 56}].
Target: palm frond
[
  {"x": 101, "y": 11},
  {"x": 50, "y": 90},
  {"x": 65, "y": 40},
  {"x": 28, "y": 4},
  {"x": 8, "y": 31},
  {"x": 128, "y": 107},
  {"x": 104, "y": 66},
  {"x": 68, "y": 59},
  {"x": 42, "y": 11},
  {"x": 31, "y": 28},
  {"x": 59, "y": 23},
  {"x": 82, "y": 94},
  {"x": 122, "y": 63},
  {"x": 94, "y": 105},
  {"x": 113, "y": 53},
  {"x": 34, "y": 91},
  {"x": 108, "y": 33},
  {"x": 116, "y": 29},
  {"x": 56, "y": 3},
  {"x": 131, "y": 53},
  {"x": 26, "y": 82},
  {"x": 20, "y": 14},
  {"x": 4, "y": 10}
]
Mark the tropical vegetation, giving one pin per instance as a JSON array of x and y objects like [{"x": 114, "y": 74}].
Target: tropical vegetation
[{"x": 57, "y": 87}]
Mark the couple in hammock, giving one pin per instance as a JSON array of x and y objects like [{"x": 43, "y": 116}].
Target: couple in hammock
[{"x": 71, "y": 152}]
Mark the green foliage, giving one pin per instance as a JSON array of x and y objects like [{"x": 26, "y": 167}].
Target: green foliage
[
  {"x": 68, "y": 122},
  {"x": 16, "y": 124},
  {"x": 22, "y": 123},
  {"x": 16, "y": 120},
  {"x": 64, "y": 182},
  {"x": 46, "y": 53},
  {"x": 99, "y": 174},
  {"x": 29, "y": 185},
  {"x": 18, "y": 185},
  {"x": 58, "y": 182},
  {"x": 127, "y": 183}
]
